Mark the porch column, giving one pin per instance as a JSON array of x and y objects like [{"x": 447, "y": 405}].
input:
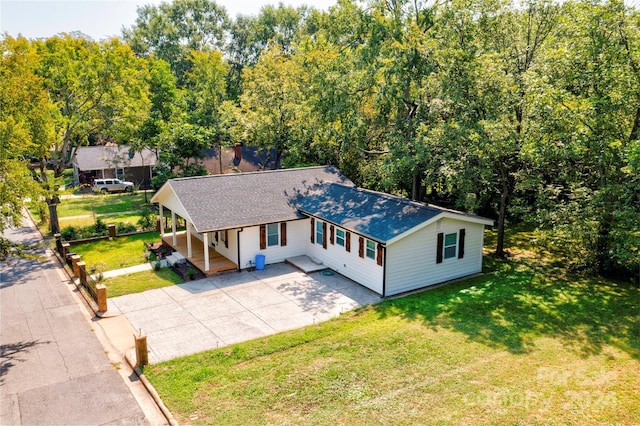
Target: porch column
[
  {"x": 161, "y": 220},
  {"x": 173, "y": 227},
  {"x": 189, "y": 254},
  {"x": 206, "y": 251}
]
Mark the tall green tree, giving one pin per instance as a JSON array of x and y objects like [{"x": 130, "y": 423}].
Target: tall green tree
[
  {"x": 97, "y": 88},
  {"x": 272, "y": 107},
  {"x": 164, "y": 98},
  {"x": 513, "y": 39},
  {"x": 26, "y": 130},
  {"x": 281, "y": 26},
  {"x": 172, "y": 30},
  {"x": 207, "y": 84},
  {"x": 592, "y": 200}
]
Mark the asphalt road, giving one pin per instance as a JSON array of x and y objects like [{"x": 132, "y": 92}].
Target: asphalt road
[{"x": 53, "y": 368}]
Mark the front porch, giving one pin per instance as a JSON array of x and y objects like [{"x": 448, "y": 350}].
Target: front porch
[{"x": 217, "y": 262}]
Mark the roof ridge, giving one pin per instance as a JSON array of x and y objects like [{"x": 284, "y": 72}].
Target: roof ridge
[{"x": 255, "y": 172}]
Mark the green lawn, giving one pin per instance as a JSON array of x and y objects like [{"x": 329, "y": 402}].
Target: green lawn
[
  {"x": 91, "y": 204},
  {"x": 523, "y": 344},
  {"x": 117, "y": 253},
  {"x": 141, "y": 281},
  {"x": 131, "y": 218}
]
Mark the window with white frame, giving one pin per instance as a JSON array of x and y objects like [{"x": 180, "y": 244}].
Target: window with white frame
[
  {"x": 370, "y": 251},
  {"x": 273, "y": 238},
  {"x": 319, "y": 232},
  {"x": 340, "y": 237},
  {"x": 450, "y": 245}
]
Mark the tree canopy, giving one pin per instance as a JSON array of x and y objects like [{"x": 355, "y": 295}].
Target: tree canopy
[{"x": 526, "y": 111}]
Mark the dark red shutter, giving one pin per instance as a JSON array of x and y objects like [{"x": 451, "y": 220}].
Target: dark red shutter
[
  {"x": 226, "y": 238},
  {"x": 361, "y": 247},
  {"x": 324, "y": 235},
  {"x": 440, "y": 247},
  {"x": 313, "y": 229},
  {"x": 461, "y": 244},
  {"x": 283, "y": 234},
  {"x": 263, "y": 237},
  {"x": 348, "y": 242},
  {"x": 379, "y": 254},
  {"x": 331, "y": 234}
]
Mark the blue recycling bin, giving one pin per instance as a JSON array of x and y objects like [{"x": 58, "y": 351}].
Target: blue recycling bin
[{"x": 260, "y": 262}]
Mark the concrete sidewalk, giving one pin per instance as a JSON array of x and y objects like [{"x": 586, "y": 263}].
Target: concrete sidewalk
[
  {"x": 125, "y": 271},
  {"x": 235, "y": 307}
]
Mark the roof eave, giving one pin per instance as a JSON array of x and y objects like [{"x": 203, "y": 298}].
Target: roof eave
[
  {"x": 162, "y": 190},
  {"x": 445, "y": 214},
  {"x": 350, "y": 229},
  {"x": 248, "y": 225}
]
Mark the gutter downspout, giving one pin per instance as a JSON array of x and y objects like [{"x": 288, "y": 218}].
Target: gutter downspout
[
  {"x": 384, "y": 271},
  {"x": 238, "y": 242}
]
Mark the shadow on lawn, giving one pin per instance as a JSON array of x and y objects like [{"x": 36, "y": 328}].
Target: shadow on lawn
[{"x": 516, "y": 304}]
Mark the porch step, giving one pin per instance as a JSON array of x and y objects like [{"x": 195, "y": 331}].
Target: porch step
[
  {"x": 171, "y": 260},
  {"x": 306, "y": 263}
]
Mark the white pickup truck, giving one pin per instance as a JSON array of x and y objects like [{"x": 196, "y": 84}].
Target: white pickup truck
[{"x": 111, "y": 185}]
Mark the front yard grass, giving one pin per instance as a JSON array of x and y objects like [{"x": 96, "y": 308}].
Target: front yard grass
[
  {"x": 100, "y": 204},
  {"x": 83, "y": 211},
  {"x": 120, "y": 252},
  {"x": 523, "y": 344},
  {"x": 131, "y": 218},
  {"x": 141, "y": 281}
]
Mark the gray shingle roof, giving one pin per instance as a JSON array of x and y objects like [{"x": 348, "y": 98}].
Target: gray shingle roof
[
  {"x": 244, "y": 199},
  {"x": 109, "y": 157},
  {"x": 378, "y": 216}
]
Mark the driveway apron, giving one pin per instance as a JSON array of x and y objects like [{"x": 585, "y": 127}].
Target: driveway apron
[{"x": 234, "y": 307}]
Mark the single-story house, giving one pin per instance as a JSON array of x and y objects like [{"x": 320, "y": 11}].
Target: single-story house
[
  {"x": 113, "y": 161},
  {"x": 386, "y": 243}
]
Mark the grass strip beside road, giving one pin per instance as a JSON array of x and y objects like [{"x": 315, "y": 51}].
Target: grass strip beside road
[{"x": 141, "y": 281}]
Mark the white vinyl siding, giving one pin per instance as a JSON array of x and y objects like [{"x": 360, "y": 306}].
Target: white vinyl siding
[
  {"x": 297, "y": 241},
  {"x": 361, "y": 270},
  {"x": 230, "y": 252},
  {"x": 411, "y": 261}
]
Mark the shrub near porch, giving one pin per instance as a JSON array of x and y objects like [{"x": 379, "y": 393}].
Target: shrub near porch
[{"x": 116, "y": 253}]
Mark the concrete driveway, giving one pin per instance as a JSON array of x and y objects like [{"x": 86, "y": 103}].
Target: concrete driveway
[{"x": 235, "y": 307}]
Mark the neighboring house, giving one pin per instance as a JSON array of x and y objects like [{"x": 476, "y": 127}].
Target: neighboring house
[
  {"x": 112, "y": 161},
  {"x": 239, "y": 158},
  {"x": 386, "y": 243}
]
